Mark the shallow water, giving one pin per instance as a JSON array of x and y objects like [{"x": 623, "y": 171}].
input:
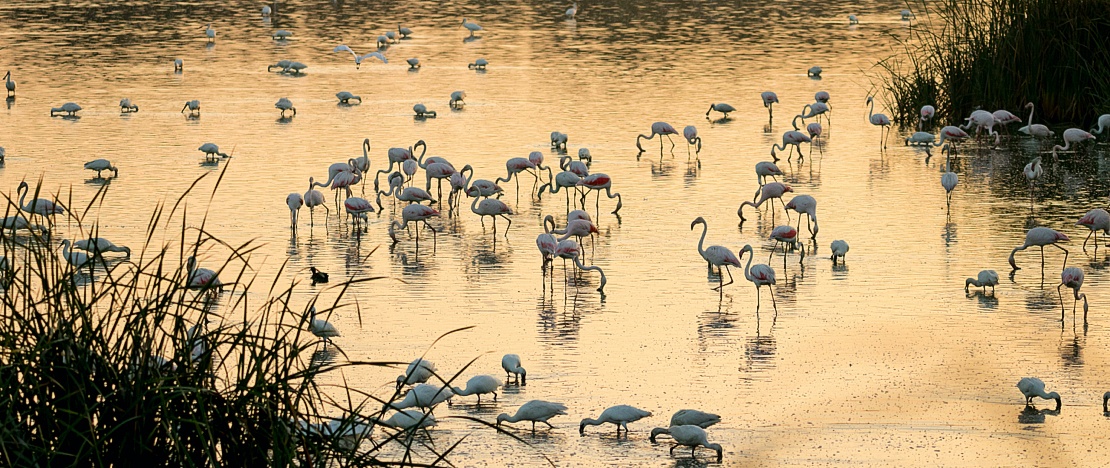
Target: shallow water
[{"x": 884, "y": 360}]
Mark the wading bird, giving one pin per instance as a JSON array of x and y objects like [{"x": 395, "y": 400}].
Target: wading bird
[
  {"x": 839, "y": 249},
  {"x": 284, "y": 104},
  {"x": 193, "y": 106},
  {"x": 598, "y": 182},
  {"x": 986, "y": 278},
  {"x": 1035, "y": 130},
  {"x": 321, "y": 328},
  {"x": 100, "y": 165},
  {"x": 534, "y": 411},
  {"x": 422, "y": 111},
  {"x": 479, "y": 64},
  {"x": 760, "y": 275},
  {"x": 1033, "y": 171},
  {"x": 511, "y": 364},
  {"x": 1094, "y": 220},
  {"x": 125, "y": 105},
  {"x": 70, "y": 109},
  {"x": 479, "y": 385},
  {"x": 418, "y": 371},
  {"x": 10, "y": 85},
  {"x": 1040, "y": 237},
  {"x": 345, "y": 97},
  {"x": 769, "y": 99},
  {"x": 880, "y": 120},
  {"x": 687, "y": 417},
  {"x": 661, "y": 129},
  {"x": 792, "y": 137},
  {"x": 1034, "y": 387},
  {"x": 99, "y": 245},
  {"x": 414, "y": 213},
  {"x": 1072, "y": 136},
  {"x": 720, "y": 107},
  {"x": 200, "y": 278},
  {"x": 716, "y": 255},
  {"x": 1073, "y": 279},
  {"x": 471, "y": 26},
  {"x": 693, "y": 437},
  {"x": 619, "y": 415},
  {"x": 294, "y": 201},
  {"x": 768, "y": 191},
  {"x": 807, "y": 205}
]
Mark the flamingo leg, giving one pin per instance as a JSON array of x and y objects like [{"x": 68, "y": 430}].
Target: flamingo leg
[
  {"x": 1089, "y": 238},
  {"x": 1061, "y": 296},
  {"x": 1065, "y": 256},
  {"x": 776, "y": 306}
]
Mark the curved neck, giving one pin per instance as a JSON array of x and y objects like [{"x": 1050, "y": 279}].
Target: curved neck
[
  {"x": 548, "y": 219},
  {"x": 748, "y": 267},
  {"x": 1030, "y": 121},
  {"x": 23, "y": 189},
  {"x": 794, "y": 122},
  {"x": 474, "y": 206},
  {"x": 870, "y": 110},
  {"x": 469, "y": 170},
  {"x": 365, "y": 147},
  {"x": 701, "y": 242}
]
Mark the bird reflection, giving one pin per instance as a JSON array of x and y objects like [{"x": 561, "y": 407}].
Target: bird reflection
[
  {"x": 759, "y": 353},
  {"x": 986, "y": 301},
  {"x": 1071, "y": 351},
  {"x": 1032, "y": 415},
  {"x": 324, "y": 356}
]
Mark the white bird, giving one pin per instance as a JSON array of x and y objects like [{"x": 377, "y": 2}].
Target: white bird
[
  {"x": 405, "y": 32},
  {"x": 839, "y": 248},
  {"x": 948, "y": 180},
  {"x": 294, "y": 68},
  {"x": 360, "y": 58},
  {"x": 720, "y": 107},
  {"x": 573, "y": 10},
  {"x": 687, "y": 417},
  {"x": 479, "y": 64},
  {"x": 193, "y": 106},
  {"x": 479, "y": 385},
  {"x": 282, "y": 65},
  {"x": 619, "y": 415},
  {"x": 39, "y": 206},
  {"x": 559, "y": 140},
  {"x": 125, "y": 105},
  {"x": 418, "y": 371},
  {"x": 200, "y": 278},
  {"x": 294, "y": 201},
  {"x": 471, "y": 26},
  {"x": 211, "y": 151},
  {"x": 99, "y": 245},
  {"x": 1103, "y": 120},
  {"x": 1035, "y": 130},
  {"x": 534, "y": 411},
  {"x": 807, "y": 205},
  {"x": 414, "y": 213},
  {"x": 211, "y": 33},
  {"x": 907, "y": 15},
  {"x": 424, "y": 396},
  {"x": 852, "y": 19},
  {"x": 511, "y": 364},
  {"x": 1095, "y": 220},
  {"x": 690, "y": 133},
  {"x": 285, "y": 104},
  {"x": 266, "y": 10},
  {"x": 70, "y": 108},
  {"x": 1033, "y": 387},
  {"x": 1040, "y": 237},
  {"x": 693, "y": 436},
  {"x": 1072, "y": 278},
  {"x": 321, "y": 328},
  {"x": 986, "y": 278},
  {"x": 814, "y": 72},
  {"x": 457, "y": 98},
  {"x": 344, "y": 97},
  {"x": 880, "y": 120},
  {"x": 314, "y": 198},
  {"x": 1072, "y": 136},
  {"x": 769, "y": 99},
  {"x": 716, "y": 255},
  {"x": 77, "y": 259},
  {"x": 422, "y": 111},
  {"x": 357, "y": 207},
  {"x": 178, "y": 64},
  {"x": 99, "y": 165},
  {"x": 414, "y": 63},
  {"x": 19, "y": 222},
  {"x": 1033, "y": 171},
  {"x": 408, "y": 420},
  {"x": 760, "y": 275},
  {"x": 10, "y": 85},
  {"x": 281, "y": 35}
]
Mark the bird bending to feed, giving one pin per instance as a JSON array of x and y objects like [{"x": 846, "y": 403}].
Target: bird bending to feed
[
  {"x": 414, "y": 213},
  {"x": 720, "y": 107},
  {"x": 193, "y": 106},
  {"x": 100, "y": 165},
  {"x": 418, "y": 371},
  {"x": 471, "y": 26},
  {"x": 1095, "y": 220},
  {"x": 77, "y": 259},
  {"x": 423, "y": 112},
  {"x": 1102, "y": 124},
  {"x": 559, "y": 140},
  {"x": 534, "y": 411},
  {"x": 1033, "y": 387},
  {"x": 479, "y": 385},
  {"x": 414, "y": 63},
  {"x": 690, "y": 133},
  {"x": 1072, "y": 136},
  {"x": 619, "y": 415},
  {"x": 908, "y": 15},
  {"x": 852, "y": 19},
  {"x": 125, "y": 105},
  {"x": 807, "y": 205},
  {"x": 318, "y": 276},
  {"x": 200, "y": 278},
  {"x": 792, "y": 137},
  {"x": 345, "y": 97},
  {"x": 457, "y": 98},
  {"x": 99, "y": 245},
  {"x": 211, "y": 151},
  {"x": 786, "y": 235},
  {"x": 70, "y": 109},
  {"x": 403, "y": 31},
  {"x": 281, "y": 35},
  {"x": 716, "y": 255},
  {"x": 769, "y": 99},
  {"x": 1040, "y": 237},
  {"x": 769, "y": 191},
  {"x": 360, "y": 58},
  {"x": 598, "y": 182},
  {"x": 358, "y": 207},
  {"x": 408, "y": 420},
  {"x": 693, "y": 436},
  {"x": 569, "y": 249},
  {"x": 920, "y": 139},
  {"x": 479, "y": 64},
  {"x": 986, "y": 278},
  {"x": 178, "y": 65},
  {"x": 511, "y": 364},
  {"x": 294, "y": 201},
  {"x": 1072, "y": 278},
  {"x": 814, "y": 72},
  {"x": 284, "y": 104},
  {"x": 687, "y": 417},
  {"x": 321, "y": 328},
  {"x": 839, "y": 248},
  {"x": 424, "y": 396},
  {"x": 661, "y": 129}
]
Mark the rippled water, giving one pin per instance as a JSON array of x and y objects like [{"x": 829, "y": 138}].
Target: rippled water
[{"x": 884, "y": 360}]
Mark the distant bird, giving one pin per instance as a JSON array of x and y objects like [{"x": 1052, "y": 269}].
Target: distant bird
[
  {"x": 661, "y": 129},
  {"x": 99, "y": 245},
  {"x": 3, "y": 153},
  {"x": 281, "y": 64},
  {"x": 281, "y": 35},
  {"x": 1040, "y": 237},
  {"x": 457, "y": 98},
  {"x": 314, "y": 198},
  {"x": 559, "y": 140},
  {"x": 948, "y": 180},
  {"x": 266, "y": 10},
  {"x": 569, "y": 250},
  {"x": 763, "y": 169},
  {"x": 193, "y": 106},
  {"x": 125, "y": 105},
  {"x": 392, "y": 36},
  {"x": 424, "y": 396},
  {"x": 211, "y": 151},
  {"x": 1103, "y": 120},
  {"x": 100, "y": 165},
  {"x": 414, "y": 63},
  {"x": 321, "y": 328},
  {"x": 471, "y": 26},
  {"x": 403, "y": 31},
  {"x": 345, "y": 97},
  {"x": 76, "y": 259},
  {"x": 920, "y": 139},
  {"x": 294, "y": 201},
  {"x": 814, "y": 130},
  {"x": 178, "y": 65},
  {"x": 807, "y": 205},
  {"x": 822, "y": 97},
  {"x": 318, "y": 276},
  {"x": 690, "y": 133},
  {"x": 986, "y": 278},
  {"x": 951, "y": 132},
  {"x": 1034, "y": 387},
  {"x": 619, "y": 415},
  {"x": 479, "y": 64},
  {"x": 685, "y": 417},
  {"x": 211, "y": 33},
  {"x": 1071, "y": 136},
  {"x": 418, "y": 371},
  {"x": 1095, "y": 220},
  {"x": 760, "y": 275},
  {"x": 814, "y": 72},
  {"x": 1038, "y": 130},
  {"x": 786, "y": 235},
  {"x": 720, "y": 107},
  {"x": 534, "y": 411},
  {"x": 693, "y": 437},
  {"x": 769, "y": 99},
  {"x": 598, "y": 182},
  {"x": 422, "y": 111},
  {"x": 284, "y": 104},
  {"x": 200, "y": 278},
  {"x": 852, "y": 19},
  {"x": 10, "y": 85},
  {"x": 414, "y": 213},
  {"x": 908, "y": 15},
  {"x": 511, "y": 364},
  {"x": 295, "y": 67},
  {"x": 358, "y": 207},
  {"x": 479, "y": 385},
  {"x": 880, "y": 120},
  {"x": 768, "y": 191},
  {"x": 70, "y": 108},
  {"x": 927, "y": 113},
  {"x": 1004, "y": 117},
  {"x": 716, "y": 255},
  {"x": 1073, "y": 279},
  {"x": 383, "y": 42},
  {"x": 1033, "y": 171},
  {"x": 360, "y": 58},
  {"x": 573, "y": 10},
  {"x": 839, "y": 248}
]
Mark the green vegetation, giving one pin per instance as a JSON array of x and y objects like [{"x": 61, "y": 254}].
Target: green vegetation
[{"x": 1001, "y": 54}]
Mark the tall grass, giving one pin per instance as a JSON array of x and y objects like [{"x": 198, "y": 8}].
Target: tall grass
[
  {"x": 1001, "y": 54},
  {"x": 120, "y": 364}
]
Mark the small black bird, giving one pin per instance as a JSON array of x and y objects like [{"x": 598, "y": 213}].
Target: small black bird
[{"x": 318, "y": 276}]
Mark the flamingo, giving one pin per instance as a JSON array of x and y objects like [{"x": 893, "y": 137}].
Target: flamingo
[
  {"x": 99, "y": 165},
  {"x": 950, "y": 132},
  {"x": 1035, "y": 130},
  {"x": 684, "y": 417},
  {"x": 478, "y": 385},
  {"x": 281, "y": 35},
  {"x": 342, "y": 176},
  {"x": 536, "y": 158},
  {"x": 397, "y": 157},
  {"x": 514, "y": 166},
  {"x": 1040, "y": 237},
  {"x": 414, "y": 213},
  {"x": 598, "y": 182},
  {"x": 566, "y": 179},
  {"x": 690, "y": 133},
  {"x": 99, "y": 245},
  {"x": 578, "y": 228},
  {"x": 559, "y": 140},
  {"x": 579, "y": 168},
  {"x": 125, "y": 105},
  {"x": 982, "y": 119},
  {"x": 1033, "y": 171},
  {"x": 10, "y": 85},
  {"x": 546, "y": 243},
  {"x": 985, "y": 278},
  {"x": 1071, "y": 136},
  {"x": 948, "y": 180},
  {"x": 1072, "y": 278},
  {"x": 927, "y": 114},
  {"x": 77, "y": 259},
  {"x": 1103, "y": 120},
  {"x": 763, "y": 169},
  {"x": 457, "y": 98},
  {"x": 440, "y": 170},
  {"x": 693, "y": 436},
  {"x": 839, "y": 248},
  {"x": 768, "y": 191},
  {"x": 418, "y": 371},
  {"x": 312, "y": 199},
  {"x": 493, "y": 208},
  {"x": 37, "y": 206},
  {"x": 573, "y": 10},
  {"x": 880, "y": 120},
  {"x": 424, "y": 396},
  {"x": 321, "y": 328},
  {"x": 284, "y": 104},
  {"x": 720, "y": 107},
  {"x": 661, "y": 129},
  {"x": 193, "y": 106},
  {"x": 360, "y": 58},
  {"x": 179, "y": 65},
  {"x": 1094, "y": 220},
  {"x": 578, "y": 214},
  {"x": 471, "y": 26},
  {"x": 410, "y": 194},
  {"x": 822, "y": 97},
  {"x": 294, "y": 201},
  {"x": 70, "y": 108},
  {"x": 814, "y": 72},
  {"x": 769, "y": 99},
  {"x": 200, "y": 278},
  {"x": 716, "y": 255},
  {"x": 534, "y": 411},
  {"x": 358, "y": 207},
  {"x": 318, "y": 276},
  {"x": 760, "y": 275},
  {"x": 619, "y": 415},
  {"x": 568, "y": 249},
  {"x": 792, "y": 137},
  {"x": 1004, "y": 117},
  {"x": 1034, "y": 387},
  {"x": 19, "y": 222},
  {"x": 805, "y": 204},
  {"x": 815, "y": 110},
  {"x": 511, "y": 364},
  {"x": 814, "y": 130},
  {"x": 786, "y": 235},
  {"x": 403, "y": 31},
  {"x": 479, "y": 64}
]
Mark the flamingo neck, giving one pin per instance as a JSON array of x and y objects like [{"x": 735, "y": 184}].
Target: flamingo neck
[
  {"x": 870, "y": 110},
  {"x": 1030, "y": 122},
  {"x": 748, "y": 267},
  {"x": 704, "y": 230},
  {"x": 474, "y": 206}
]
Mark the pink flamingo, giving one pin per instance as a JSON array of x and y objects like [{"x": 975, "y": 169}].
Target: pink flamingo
[
  {"x": 294, "y": 201},
  {"x": 880, "y": 120},
  {"x": 793, "y": 137},
  {"x": 690, "y": 133},
  {"x": 1040, "y": 237},
  {"x": 769, "y": 99},
  {"x": 439, "y": 171},
  {"x": 493, "y": 208},
  {"x": 1094, "y": 220},
  {"x": 312, "y": 199},
  {"x": 816, "y": 109},
  {"x": 410, "y": 194},
  {"x": 578, "y": 214},
  {"x": 515, "y": 166},
  {"x": 1072, "y": 278},
  {"x": 598, "y": 182},
  {"x": 763, "y": 169},
  {"x": 715, "y": 256},
  {"x": 578, "y": 228},
  {"x": 822, "y": 97},
  {"x": 982, "y": 119},
  {"x": 814, "y": 130},
  {"x": 658, "y": 128},
  {"x": 1033, "y": 171},
  {"x": 1035, "y": 130},
  {"x": 579, "y": 168},
  {"x": 414, "y": 213},
  {"x": 805, "y": 204},
  {"x": 1004, "y": 117},
  {"x": 536, "y": 158},
  {"x": 200, "y": 278},
  {"x": 568, "y": 249},
  {"x": 358, "y": 207},
  {"x": 786, "y": 235},
  {"x": 927, "y": 112},
  {"x": 397, "y": 157},
  {"x": 951, "y": 132},
  {"x": 565, "y": 179},
  {"x": 770, "y": 190},
  {"x": 760, "y": 275},
  {"x": 1071, "y": 136},
  {"x": 546, "y": 244}
]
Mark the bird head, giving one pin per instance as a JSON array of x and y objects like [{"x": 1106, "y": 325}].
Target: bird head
[
  {"x": 502, "y": 417},
  {"x": 662, "y": 430},
  {"x": 699, "y": 219}
]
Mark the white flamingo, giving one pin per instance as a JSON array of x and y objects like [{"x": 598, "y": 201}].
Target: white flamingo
[
  {"x": 358, "y": 207},
  {"x": 345, "y": 97},
  {"x": 1072, "y": 136},
  {"x": 493, "y": 208},
  {"x": 763, "y": 169},
  {"x": 294, "y": 201},
  {"x": 1035, "y": 130},
  {"x": 1033, "y": 172},
  {"x": 37, "y": 206},
  {"x": 807, "y": 205},
  {"x": 312, "y": 199},
  {"x": 1103, "y": 121}
]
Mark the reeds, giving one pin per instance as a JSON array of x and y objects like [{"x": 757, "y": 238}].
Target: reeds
[
  {"x": 1001, "y": 54},
  {"x": 119, "y": 364}
]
